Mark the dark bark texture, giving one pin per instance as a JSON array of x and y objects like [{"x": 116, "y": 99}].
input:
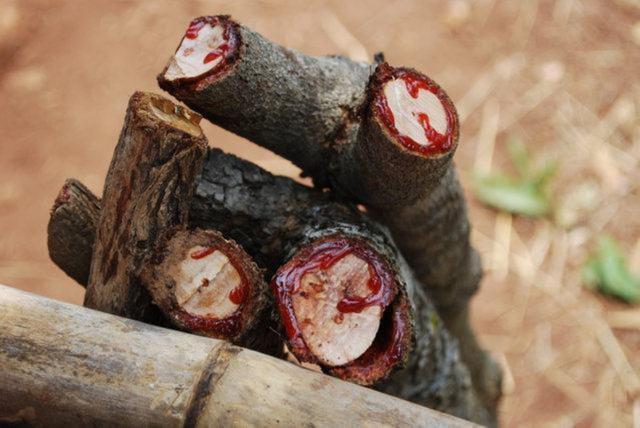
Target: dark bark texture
[
  {"x": 433, "y": 235},
  {"x": 265, "y": 213},
  {"x": 147, "y": 191},
  {"x": 293, "y": 104},
  {"x": 316, "y": 112},
  {"x": 72, "y": 230},
  {"x": 433, "y": 364},
  {"x": 274, "y": 218}
]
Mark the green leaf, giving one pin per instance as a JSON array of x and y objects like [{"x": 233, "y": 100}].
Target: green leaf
[
  {"x": 515, "y": 197},
  {"x": 591, "y": 273},
  {"x": 607, "y": 272},
  {"x": 526, "y": 194}
]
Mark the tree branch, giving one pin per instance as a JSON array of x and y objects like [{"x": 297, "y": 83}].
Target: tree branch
[
  {"x": 275, "y": 96},
  {"x": 208, "y": 285},
  {"x": 72, "y": 230},
  {"x": 146, "y": 192}
]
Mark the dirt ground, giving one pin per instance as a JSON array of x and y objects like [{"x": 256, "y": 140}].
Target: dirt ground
[{"x": 563, "y": 76}]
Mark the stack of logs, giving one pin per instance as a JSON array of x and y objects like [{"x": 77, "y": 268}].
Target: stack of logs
[{"x": 367, "y": 275}]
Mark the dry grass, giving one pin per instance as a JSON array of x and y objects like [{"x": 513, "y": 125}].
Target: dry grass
[
  {"x": 562, "y": 75},
  {"x": 570, "y": 360}
]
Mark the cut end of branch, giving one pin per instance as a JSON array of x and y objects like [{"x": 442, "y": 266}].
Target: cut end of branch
[
  {"x": 162, "y": 111},
  {"x": 414, "y": 110},
  {"x": 63, "y": 196},
  {"x": 335, "y": 300},
  {"x": 175, "y": 115},
  {"x": 206, "y": 284},
  {"x": 207, "y": 48},
  {"x": 333, "y": 334},
  {"x": 71, "y": 229}
]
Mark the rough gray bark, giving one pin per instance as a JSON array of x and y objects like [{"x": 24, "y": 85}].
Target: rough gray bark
[
  {"x": 147, "y": 190},
  {"x": 316, "y": 112},
  {"x": 278, "y": 97},
  {"x": 265, "y": 213},
  {"x": 71, "y": 230},
  {"x": 433, "y": 235},
  {"x": 425, "y": 382}
]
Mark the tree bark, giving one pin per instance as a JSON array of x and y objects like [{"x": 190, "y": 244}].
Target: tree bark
[
  {"x": 433, "y": 235},
  {"x": 147, "y": 191},
  {"x": 85, "y": 368},
  {"x": 296, "y": 105},
  {"x": 269, "y": 215},
  {"x": 72, "y": 230},
  {"x": 323, "y": 114}
]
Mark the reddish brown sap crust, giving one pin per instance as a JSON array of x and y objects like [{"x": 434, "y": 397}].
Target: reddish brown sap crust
[
  {"x": 239, "y": 294},
  {"x": 414, "y": 81},
  {"x": 196, "y": 255},
  {"x": 393, "y": 338}
]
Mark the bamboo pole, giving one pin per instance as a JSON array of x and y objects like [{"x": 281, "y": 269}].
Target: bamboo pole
[{"x": 62, "y": 364}]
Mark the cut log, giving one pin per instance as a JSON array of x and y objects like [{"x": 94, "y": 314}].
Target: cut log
[
  {"x": 277, "y": 97},
  {"x": 384, "y": 136},
  {"x": 86, "y": 368},
  {"x": 206, "y": 284},
  {"x": 344, "y": 307},
  {"x": 147, "y": 191},
  {"x": 269, "y": 214},
  {"x": 308, "y": 238},
  {"x": 408, "y": 132}
]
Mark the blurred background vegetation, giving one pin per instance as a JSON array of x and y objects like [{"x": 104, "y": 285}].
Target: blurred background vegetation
[{"x": 548, "y": 93}]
